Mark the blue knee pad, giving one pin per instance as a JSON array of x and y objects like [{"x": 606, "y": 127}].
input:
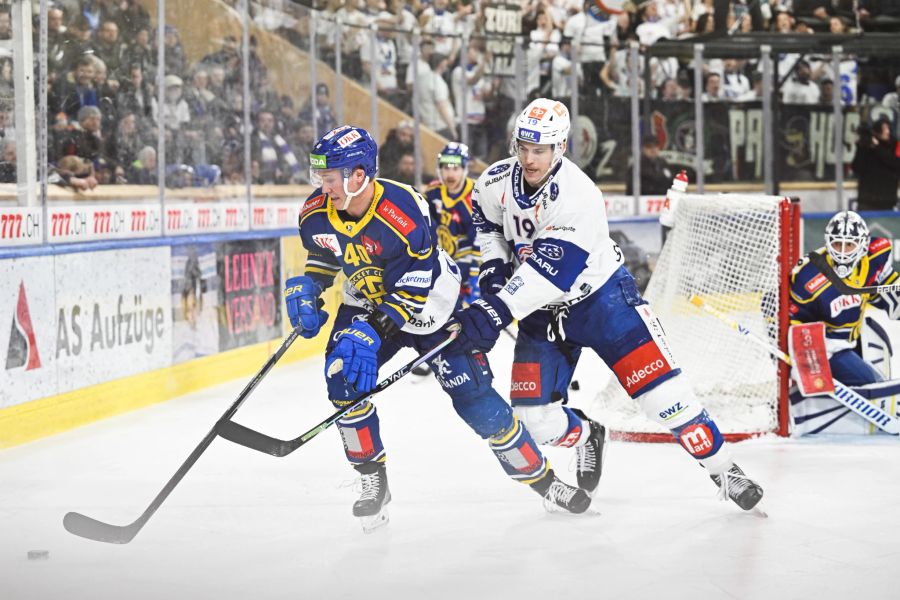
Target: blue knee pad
[{"x": 467, "y": 379}]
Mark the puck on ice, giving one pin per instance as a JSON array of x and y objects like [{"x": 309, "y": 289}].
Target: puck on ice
[
  {"x": 575, "y": 385},
  {"x": 38, "y": 554}
]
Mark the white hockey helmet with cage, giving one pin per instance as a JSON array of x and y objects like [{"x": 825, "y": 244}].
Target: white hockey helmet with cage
[
  {"x": 543, "y": 121},
  {"x": 847, "y": 241}
]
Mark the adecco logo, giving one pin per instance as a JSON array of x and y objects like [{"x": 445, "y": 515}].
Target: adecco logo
[
  {"x": 639, "y": 375},
  {"x": 641, "y": 366}
]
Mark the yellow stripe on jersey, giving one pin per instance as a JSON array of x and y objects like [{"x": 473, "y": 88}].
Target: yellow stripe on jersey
[
  {"x": 413, "y": 297},
  {"x": 305, "y": 216},
  {"x": 352, "y": 228},
  {"x": 400, "y": 309}
]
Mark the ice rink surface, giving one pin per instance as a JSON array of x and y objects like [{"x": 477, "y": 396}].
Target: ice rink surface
[{"x": 246, "y": 525}]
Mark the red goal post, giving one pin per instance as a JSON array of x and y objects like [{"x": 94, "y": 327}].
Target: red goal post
[{"x": 736, "y": 251}]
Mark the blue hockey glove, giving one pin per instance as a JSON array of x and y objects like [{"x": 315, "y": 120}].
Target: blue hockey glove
[
  {"x": 357, "y": 347},
  {"x": 482, "y": 323},
  {"x": 493, "y": 276},
  {"x": 304, "y": 308},
  {"x": 470, "y": 290}
]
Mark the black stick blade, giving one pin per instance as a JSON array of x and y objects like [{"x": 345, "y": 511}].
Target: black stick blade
[
  {"x": 92, "y": 529},
  {"x": 244, "y": 436}
]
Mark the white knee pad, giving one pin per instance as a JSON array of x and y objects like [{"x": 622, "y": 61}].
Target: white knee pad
[
  {"x": 546, "y": 423},
  {"x": 672, "y": 403}
]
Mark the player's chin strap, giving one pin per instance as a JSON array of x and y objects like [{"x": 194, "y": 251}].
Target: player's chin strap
[{"x": 348, "y": 195}]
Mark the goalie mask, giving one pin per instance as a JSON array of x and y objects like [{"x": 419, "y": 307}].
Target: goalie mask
[{"x": 847, "y": 241}]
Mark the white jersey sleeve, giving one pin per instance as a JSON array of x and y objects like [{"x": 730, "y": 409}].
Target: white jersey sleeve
[
  {"x": 487, "y": 213},
  {"x": 560, "y": 237}
]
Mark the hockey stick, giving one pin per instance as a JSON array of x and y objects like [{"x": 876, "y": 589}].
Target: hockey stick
[
  {"x": 821, "y": 263},
  {"x": 99, "y": 531},
  {"x": 842, "y": 394},
  {"x": 260, "y": 442}
]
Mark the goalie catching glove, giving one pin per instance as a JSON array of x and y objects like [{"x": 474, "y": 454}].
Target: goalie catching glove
[{"x": 482, "y": 323}]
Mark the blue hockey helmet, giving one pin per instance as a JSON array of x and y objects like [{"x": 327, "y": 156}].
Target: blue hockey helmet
[
  {"x": 454, "y": 153},
  {"x": 345, "y": 148}
]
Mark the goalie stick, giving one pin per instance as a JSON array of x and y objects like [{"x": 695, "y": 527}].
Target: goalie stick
[
  {"x": 821, "y": 263},
  {"x": 92, "y": 529},
  {"x": 250, "y": 438},
  {"x": 842, "y": 394}
]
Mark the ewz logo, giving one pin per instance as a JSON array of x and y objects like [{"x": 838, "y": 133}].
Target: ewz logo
[{"x": 528, "y": 135}]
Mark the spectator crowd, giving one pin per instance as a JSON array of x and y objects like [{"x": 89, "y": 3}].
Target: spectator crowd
[{"x": 103, "y": 105}]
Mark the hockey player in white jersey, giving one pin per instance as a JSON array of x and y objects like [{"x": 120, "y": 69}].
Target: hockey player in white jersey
[{"x": 548, "y": 261}]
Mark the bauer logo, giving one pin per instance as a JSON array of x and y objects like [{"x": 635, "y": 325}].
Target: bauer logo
[
  {"x": 528, "y": 135},
  {"x": 317, "y": 161},
  {"x": 697, "y": 439}
]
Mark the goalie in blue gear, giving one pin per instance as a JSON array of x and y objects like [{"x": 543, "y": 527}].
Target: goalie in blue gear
[
  {"x": 861, "y": 260},
  {"x": 401, "y": 290}
]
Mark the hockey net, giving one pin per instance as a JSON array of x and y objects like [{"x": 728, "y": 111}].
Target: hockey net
[{"x": 736, "y": 252}]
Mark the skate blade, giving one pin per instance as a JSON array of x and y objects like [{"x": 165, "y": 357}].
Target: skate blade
[
  {"x": 375, "y": 522},
  {"x": 759, "y": 511}
]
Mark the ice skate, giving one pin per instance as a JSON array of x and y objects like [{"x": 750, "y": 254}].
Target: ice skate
[
  {"x": 559, "y": 495},
  {"x": 733, "y": 484},
  {"x": 590, "y": 456},
  {"x": 371, "y": 508}
]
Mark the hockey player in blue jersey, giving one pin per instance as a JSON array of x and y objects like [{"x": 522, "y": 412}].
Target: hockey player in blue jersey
[
  {"x": 549, "y": 262},
  {"x": 450, "y": 200},
  {"x": 860, "y": 260},
  {"x": 401, "y": 289}
]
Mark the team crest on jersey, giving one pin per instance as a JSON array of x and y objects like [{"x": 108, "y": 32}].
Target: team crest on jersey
[
  {"x": 554, "y": 191},
  {"x": 815, "y": 283},
  {"x": 369, "y": 281},
  {"x": 392, "y": 213},
  {"x": 842, "y": 303},
  {"x": 523, "y": 251},
  {"x": 328, "y": 241}
]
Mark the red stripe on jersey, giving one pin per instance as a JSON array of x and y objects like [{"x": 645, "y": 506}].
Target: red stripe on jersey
[
  {"x": 392, "y": 213},
  {"x": 643, "y": 365}
]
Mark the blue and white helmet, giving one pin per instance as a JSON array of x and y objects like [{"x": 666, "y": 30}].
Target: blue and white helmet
[
  {"x": 454, "y": 153},
  {"x": 346, "y": 148},
  {"x": 847, "y": 241},
  {"x": 543, "y": 121}
]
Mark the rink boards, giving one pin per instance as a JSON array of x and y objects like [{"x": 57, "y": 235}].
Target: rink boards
[{"x": 92, "y": 330}]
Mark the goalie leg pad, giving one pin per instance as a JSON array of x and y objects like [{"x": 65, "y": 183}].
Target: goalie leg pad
[{"x": 849, "y": 368}]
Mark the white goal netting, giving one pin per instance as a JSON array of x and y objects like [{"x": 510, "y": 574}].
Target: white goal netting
[{"x": 725, "y": 248}]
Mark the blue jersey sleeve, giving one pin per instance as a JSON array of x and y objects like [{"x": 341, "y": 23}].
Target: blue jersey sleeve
[{"x": 321, "y": 263}]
